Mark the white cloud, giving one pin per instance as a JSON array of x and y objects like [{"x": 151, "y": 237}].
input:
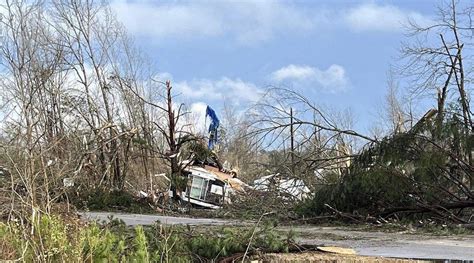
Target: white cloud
[
  {"x": 198, "y": 112},
  {"x": 166, "y": 19},
  {"x": 372, "y": 17},
  {"x": 223, "y": 88},
  {"x": 163, "y": 76},
  {"x": 248, "y": 22},
  {"x": 252, "y": 22},
  {"x": 293, "y": 72},
  {"x": 235, "y": 90},
  {"x": 333, "y": 79}
]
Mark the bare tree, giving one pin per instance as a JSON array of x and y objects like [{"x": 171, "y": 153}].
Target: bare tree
[
  {"x": 72, "y": 85},
  {"x": 442, "y": 69},
  {"x": 174, "y": 129},
  {"x": 439, "y": 63},
  {"x": 236, "y": 148},
  {"x": 322, "y": 140}
]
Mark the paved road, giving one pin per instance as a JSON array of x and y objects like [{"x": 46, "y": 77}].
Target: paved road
[
  {"x": 366, "y": 243},
  {"x": 399, "y": 244},
  {"x": 139, "y": 219}
]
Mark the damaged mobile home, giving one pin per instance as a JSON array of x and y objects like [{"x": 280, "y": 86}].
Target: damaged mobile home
[{"x": 209, "y": 184}]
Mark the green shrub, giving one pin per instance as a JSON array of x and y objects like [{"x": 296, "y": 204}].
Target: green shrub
[
  {"x": 49, "y": 239},
  {"x": 101, "y": 245},
  {"x": 140, "y": 253}
]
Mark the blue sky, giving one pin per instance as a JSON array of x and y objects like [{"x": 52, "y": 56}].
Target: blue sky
[{"x": 337, "y": 52}]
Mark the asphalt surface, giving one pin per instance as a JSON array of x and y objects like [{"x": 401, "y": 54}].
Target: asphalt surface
[
  {"x": 398, "y": 244},
  {"x": 141, "y": 219},
  {"x": 366, "y": 243}
]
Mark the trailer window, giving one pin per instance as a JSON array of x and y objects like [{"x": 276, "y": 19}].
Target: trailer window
[{"x": 198, "y": 188}]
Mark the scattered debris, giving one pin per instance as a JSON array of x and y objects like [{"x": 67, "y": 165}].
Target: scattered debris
[
  {"x": 68, "y": 182},
  {"x": 288, "y": 187}
]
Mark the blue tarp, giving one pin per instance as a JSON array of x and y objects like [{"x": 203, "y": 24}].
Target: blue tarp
[{"x": 213, "y": 126}]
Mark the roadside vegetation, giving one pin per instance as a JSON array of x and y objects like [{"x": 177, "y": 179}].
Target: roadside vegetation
[{"x": 53, "y": 239}]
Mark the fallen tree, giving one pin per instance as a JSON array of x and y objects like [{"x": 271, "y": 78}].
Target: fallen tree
[{"x": 409, "y": 175}]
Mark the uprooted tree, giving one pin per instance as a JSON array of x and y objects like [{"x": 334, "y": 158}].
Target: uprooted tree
[{"x": 404, "y": 175}]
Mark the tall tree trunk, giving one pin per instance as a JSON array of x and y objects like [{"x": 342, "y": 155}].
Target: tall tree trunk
[{"x": 175, "y": 171}]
